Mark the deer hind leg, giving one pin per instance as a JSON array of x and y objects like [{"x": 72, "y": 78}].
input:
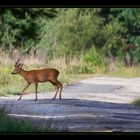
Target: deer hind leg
[
  {"x": 58, "y": 86},
  {"x": 61, "y": 86},
  {"x": 28, "y": 84},
  {"x": 36, "y": 86}
]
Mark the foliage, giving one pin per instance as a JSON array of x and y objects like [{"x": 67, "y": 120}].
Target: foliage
[
  {"x": 90, "y": 62},
  {"x": 22, "y": 26},
  {"x": 72, "y": 30},
  {"x": 92, "y": 56},
  {"x": 78, "y": 29}
]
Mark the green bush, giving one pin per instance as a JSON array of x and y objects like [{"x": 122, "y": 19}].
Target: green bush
[
  {"x": 92, "y": 56},
  {"x": 71, "y": 31}
]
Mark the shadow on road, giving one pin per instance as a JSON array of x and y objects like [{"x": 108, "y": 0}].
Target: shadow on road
[
  {"x": 76, "y": 114},
  {"x": 70, "y": 103}
]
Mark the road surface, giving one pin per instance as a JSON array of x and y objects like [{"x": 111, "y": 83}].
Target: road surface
[{"x": 98, "y": 104}]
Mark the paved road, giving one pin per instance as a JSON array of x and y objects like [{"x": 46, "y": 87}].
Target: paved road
[{"x": 98, "y": 104}]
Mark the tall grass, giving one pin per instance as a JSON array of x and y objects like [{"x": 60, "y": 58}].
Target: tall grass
[
  {"x": 119, "y": 70},
  {"x": 13, "y": 84},
  {"x": 71, "y": 69}
]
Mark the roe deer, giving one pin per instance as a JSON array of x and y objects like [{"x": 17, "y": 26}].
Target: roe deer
[{"x": 36, "y": 76}]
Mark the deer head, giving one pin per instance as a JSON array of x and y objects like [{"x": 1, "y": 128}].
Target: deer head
[{"x": 18, "y": 67}]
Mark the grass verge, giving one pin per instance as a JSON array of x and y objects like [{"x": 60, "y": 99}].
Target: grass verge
[
  {"x": 8, "y": 124},
  {"x": 13, "y": 84},
  {"x": 136, "y": 102}
]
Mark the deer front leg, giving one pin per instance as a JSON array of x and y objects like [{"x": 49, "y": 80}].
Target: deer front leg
[
  {"x": 36, "y": 86},
  {"x": 28, "y": 84},
  {"x": 55, "y": 93}
]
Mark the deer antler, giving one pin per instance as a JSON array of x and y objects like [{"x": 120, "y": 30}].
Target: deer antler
[{"x": 18, "y": 64}]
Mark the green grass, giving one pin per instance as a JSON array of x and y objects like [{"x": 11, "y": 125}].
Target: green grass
[
  {"x": 8, "y": 124},
  {"x": 136, "y": 102},
  {"x": 14, "y": 84}
]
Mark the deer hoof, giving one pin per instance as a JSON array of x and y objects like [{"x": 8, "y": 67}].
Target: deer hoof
[{"x": 19, "y": 99}]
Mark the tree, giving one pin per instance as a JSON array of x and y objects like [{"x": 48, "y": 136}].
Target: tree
[
  {"x": 78, "y": 29},
  {"x": 22, "y": 26}
]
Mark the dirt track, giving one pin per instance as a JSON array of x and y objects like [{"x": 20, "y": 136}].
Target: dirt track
[{"x": 97, "y": 104}]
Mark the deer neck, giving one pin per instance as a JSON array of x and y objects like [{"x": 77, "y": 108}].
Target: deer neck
[{"x": 23, "y": 73}]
